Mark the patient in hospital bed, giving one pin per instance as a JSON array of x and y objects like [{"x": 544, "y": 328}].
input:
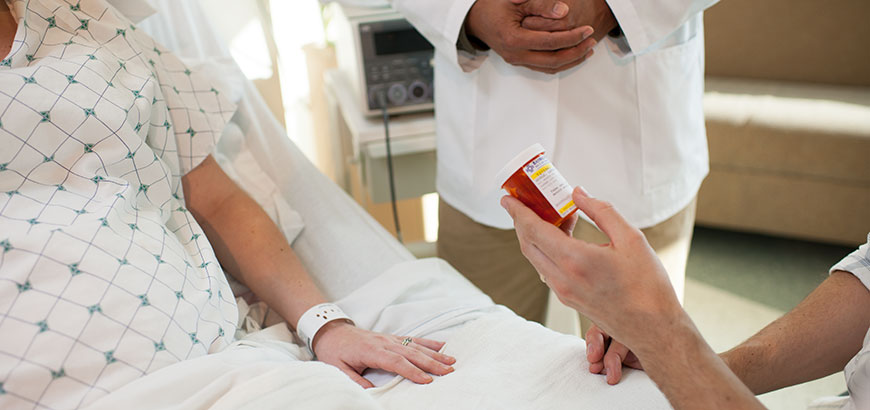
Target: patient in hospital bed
[
  {"x": 117, "y": 222},
  {"x": 117, "y": 225}
]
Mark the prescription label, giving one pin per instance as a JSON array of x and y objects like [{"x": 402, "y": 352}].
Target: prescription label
[{"x": 551, "y": 183}]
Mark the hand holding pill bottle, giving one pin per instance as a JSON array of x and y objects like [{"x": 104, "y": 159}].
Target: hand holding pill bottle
[{"x": 532, "y": 178}]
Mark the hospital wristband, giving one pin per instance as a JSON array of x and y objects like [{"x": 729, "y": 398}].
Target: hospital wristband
[{"x": 315, "y": 318}]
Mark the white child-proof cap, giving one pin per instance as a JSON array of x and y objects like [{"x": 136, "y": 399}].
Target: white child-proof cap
[{"x": 513, "y": 165}]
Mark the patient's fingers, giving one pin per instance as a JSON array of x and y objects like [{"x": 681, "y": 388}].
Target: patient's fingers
[
  {"x": 399, "y": 364},
  {"x": 420, "y": 345},
  {"x": 431, "y": 348},
  {"x": 430, "y": 344},
  {"x": 415, "y": 355},
  {"x": 356, "y": 377}
]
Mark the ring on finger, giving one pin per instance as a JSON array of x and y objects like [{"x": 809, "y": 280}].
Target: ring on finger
[{"x": 406, "y": 341}]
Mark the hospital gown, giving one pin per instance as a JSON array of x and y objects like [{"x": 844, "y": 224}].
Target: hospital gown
[{"x": 104, "y": 275}]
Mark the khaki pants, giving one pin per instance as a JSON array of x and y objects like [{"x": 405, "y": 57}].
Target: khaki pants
[{"x": 491, "y": 259}]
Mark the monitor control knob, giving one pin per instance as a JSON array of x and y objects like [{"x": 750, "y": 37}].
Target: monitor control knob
[
  {"x": 397, "y": 94},
  {"x": 418, "y": 90}
]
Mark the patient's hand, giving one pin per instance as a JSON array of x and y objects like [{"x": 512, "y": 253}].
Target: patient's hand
[
  {"x": 353, "y": 350},
  {"x": 607, "y": 356}
]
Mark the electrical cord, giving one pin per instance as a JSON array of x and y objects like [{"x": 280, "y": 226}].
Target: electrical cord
[{"x": 382, "y": 100}]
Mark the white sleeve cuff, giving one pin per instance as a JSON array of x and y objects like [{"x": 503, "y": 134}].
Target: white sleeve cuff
[
  {"x": 634, "y": 35},
  {"x": 857, "y": 263},
  {"x": 469, "y": 62},
  {"x": 618, "y": 46},
  {"x": 453, "y": 25}
]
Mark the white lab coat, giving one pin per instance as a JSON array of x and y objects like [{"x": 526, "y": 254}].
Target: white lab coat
[{"x": 627, "y": 124}]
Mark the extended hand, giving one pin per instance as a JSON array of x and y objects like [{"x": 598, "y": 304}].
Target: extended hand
[
  {"x": 594, "y": 13},
  {"x": 498, "y": 24},
  {"x": 621, "y": 286},
  {"x": 353, "y": 350},
  {"x": 606, "y": 356}
]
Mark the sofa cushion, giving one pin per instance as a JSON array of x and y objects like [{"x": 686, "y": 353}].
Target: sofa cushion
[
  {"x": 777, "y": 204},
  {"x": 809, "y": 131},
  {"x": 788, "y": 159}
]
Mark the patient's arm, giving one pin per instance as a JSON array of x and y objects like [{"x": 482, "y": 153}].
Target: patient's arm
[
  {"x": 815, "y": 339},
  {"x": 251, "y": 248}
]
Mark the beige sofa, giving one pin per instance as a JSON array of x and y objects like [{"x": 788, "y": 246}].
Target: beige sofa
[{"x": 788, "y": 119}]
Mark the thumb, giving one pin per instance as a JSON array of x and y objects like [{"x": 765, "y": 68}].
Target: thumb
[
  {"x": 552, "y": 9},
  {"x": 608, "y": 219}
]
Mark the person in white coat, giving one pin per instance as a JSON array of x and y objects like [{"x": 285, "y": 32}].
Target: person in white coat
[{"x": 626, "y": 123}]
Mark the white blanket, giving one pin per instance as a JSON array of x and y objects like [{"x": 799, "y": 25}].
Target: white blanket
[
  {"x": 247, "y": 375},
  {"x": 505, "y": 362}
]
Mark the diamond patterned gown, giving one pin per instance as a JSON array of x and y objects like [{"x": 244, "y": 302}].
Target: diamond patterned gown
[{"x": 104, "y": 275}]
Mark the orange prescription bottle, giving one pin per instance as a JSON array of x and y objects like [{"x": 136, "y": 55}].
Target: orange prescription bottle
[{"x": 531, "y": 178}]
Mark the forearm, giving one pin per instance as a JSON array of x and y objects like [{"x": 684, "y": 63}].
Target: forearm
[
  {"x": 252, "y": 249},
  {"x": 247, "y": 243},
  {"x": 688, "y": 372},
  {"x": 815, "y": 339}
]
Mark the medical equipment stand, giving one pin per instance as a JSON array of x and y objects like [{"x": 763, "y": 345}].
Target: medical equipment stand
[{"x": 360, "y": 160}]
